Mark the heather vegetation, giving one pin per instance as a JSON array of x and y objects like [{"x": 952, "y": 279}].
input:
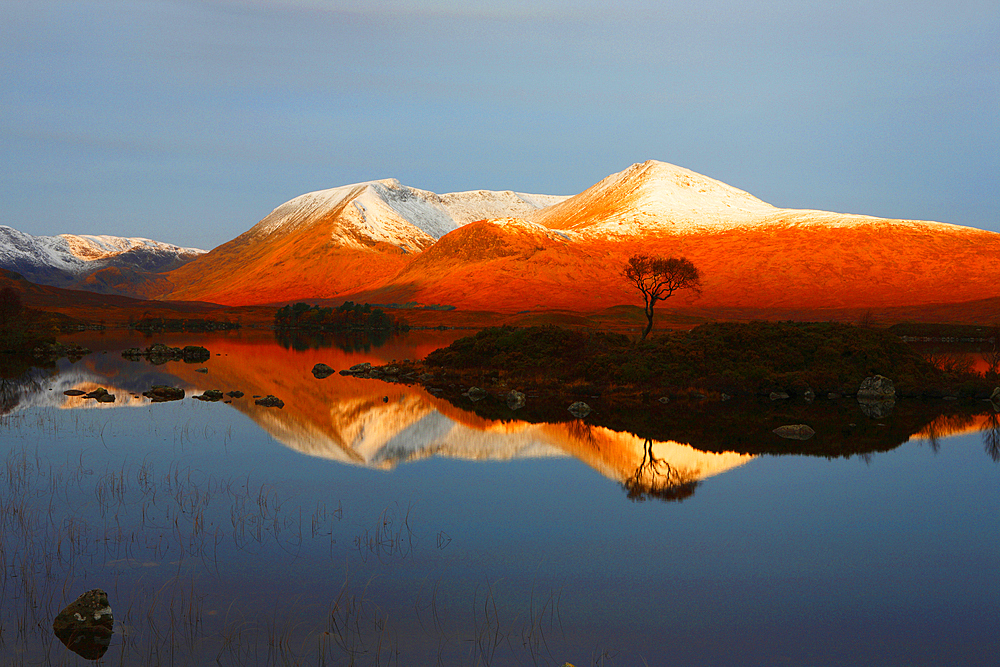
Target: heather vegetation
[{"x": 724, "y": 357}]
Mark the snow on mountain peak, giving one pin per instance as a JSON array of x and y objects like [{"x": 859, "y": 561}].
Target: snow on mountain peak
[
  {"x": 389, "y": 212},
  {"x": 652, "y": 195}
]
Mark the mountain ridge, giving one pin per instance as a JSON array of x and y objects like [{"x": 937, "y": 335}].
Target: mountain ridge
[{"x": 504, "y": 251}]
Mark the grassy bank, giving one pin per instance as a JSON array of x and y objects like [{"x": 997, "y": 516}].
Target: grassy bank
[{"x": 738, "y": 359}]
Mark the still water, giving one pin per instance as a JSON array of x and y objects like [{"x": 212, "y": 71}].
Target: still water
[{"x": 368, "y": 523}]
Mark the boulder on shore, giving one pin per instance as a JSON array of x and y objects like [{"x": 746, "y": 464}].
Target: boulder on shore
[{"x": 877, "y": 388}]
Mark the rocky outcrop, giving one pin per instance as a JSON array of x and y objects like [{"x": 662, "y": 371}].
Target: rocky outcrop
[
  {"x": 270, "y": 402},
  {"x": 321, "y": 371},
  {"x": 101, "y": 395},
  {"x": 358, "y": 370},
  {"x": 162, "y": 393},
  {"x": 86, "y": 624}
]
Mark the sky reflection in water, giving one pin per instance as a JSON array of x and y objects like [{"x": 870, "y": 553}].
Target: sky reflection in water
[{"x": 534, "y": 554}]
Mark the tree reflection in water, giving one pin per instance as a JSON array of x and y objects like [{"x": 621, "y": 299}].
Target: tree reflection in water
[
  {"x": 991, "y": 435},
  {"x": 348, "y": 341},
  {"x": 655, "y": 478}
]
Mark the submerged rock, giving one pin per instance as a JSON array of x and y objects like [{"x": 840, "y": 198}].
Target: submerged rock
[
  {"x": 476, "y": 394},
  {"x": 795, "y": 432},
  {"x": 579, "y": 409},
  {"x": 321, "y": 371},
  {"x": 778, "y": 396},
  {"x": 235, "y": 394},
  {"x": 86, "y": 624}
]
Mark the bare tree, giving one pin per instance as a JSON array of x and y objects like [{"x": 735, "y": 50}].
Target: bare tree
[
  {"x": 656, "y": 478},
  {"x": 658, "y": 278}
]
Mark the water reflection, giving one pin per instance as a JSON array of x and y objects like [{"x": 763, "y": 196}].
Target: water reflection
[
  {"x": 301, "y": 341},
  {"x": 221, "y": 546},
  {"x": 660, "y": 452}
]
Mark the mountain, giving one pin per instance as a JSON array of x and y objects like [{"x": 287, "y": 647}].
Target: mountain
[
  {"x": 69, "y": 260},
  {"x": 654, "y": 197},
  {"x": 324, "y": 244},
  {"x": 509, "y": 252},
  {"x": 751, "y": 255}
]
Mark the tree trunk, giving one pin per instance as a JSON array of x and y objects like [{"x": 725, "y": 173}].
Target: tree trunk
[{"x": 649, "y": 318}]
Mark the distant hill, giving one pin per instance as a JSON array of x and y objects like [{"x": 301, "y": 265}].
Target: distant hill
[{"x": 70, "y": 261}]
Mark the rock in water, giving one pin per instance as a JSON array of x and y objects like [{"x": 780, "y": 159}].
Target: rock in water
[
  {"x": 995, "y": 396},
  {"x": 876, "y": 388},
  {"x": 476, "y": 394},
  {"x": 794, "y": 432},
  {"x": 877, "y": 396},
  {"x": 321, "y": 371},
  {"x": 85, "y": 626},
  {"x": 161, "y": 393},
  {"x": 579, "y": 409},
  {"x": 515, "y": 399},
  {"x": 270, "y": 402}
]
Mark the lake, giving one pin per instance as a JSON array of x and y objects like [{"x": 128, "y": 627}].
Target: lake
[{"x": 376, "y": 524}]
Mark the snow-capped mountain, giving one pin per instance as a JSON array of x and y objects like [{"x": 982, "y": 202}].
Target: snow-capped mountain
[
  {"x": 383, "y": 242},
  {"x": 329, "y": 242},
  {"x": 67, "y": 259}
]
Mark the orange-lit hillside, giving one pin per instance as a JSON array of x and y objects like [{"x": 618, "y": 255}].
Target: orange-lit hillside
[{"x": 384, "y": 243}]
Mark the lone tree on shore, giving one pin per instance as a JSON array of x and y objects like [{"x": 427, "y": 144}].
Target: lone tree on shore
[{"x": 658, "y": 278}]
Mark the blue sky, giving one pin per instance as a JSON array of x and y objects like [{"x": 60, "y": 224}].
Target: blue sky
[{"x": 189, "y": 121}]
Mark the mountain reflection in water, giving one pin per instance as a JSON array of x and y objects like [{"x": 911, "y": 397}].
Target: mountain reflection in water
[
  {"x": 220, "y": 547},
  {"x": 380, "y": 425}
]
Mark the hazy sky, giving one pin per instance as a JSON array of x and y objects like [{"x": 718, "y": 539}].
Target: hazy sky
[{"x": 189, "y": 121}]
